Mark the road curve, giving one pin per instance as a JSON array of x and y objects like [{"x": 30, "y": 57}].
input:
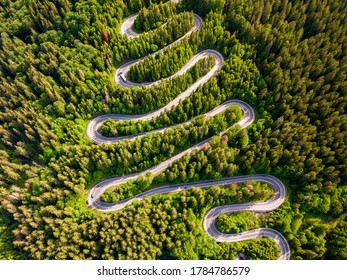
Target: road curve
[
  {"x": 209, "y": 222},
  {"x": 95, "y": 123},
  {"x": 126, "y": 66},
  {"x": 277, "y": 200}
]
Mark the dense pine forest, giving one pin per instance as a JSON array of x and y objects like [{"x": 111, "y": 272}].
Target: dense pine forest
[{"x": 287, "y": 58}]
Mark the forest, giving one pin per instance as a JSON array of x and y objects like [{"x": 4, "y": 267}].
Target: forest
[{"x": 286, "y": 58}]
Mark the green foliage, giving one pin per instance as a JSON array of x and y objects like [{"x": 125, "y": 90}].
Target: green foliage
[
  {"x": 149, "y": 42},
  {"x": 286, "y": 58},
  {"x": 112, "y": 128},
  {"x": 188, "y": 241},
  {"x": 205, "y": 6},
  {"x": 261, "y": 248},
  {"x": 235, "y": 223},
  {"x": 337, "y": 242},
  {"x": 160, "y": 66},
  {"x": 7, "y": 249},
  {"x": 154, "y": 16},
  {"x": 136, "y": 5},
  {"x": 188, "y": 135},
  {"x": 148, "y": 99}
]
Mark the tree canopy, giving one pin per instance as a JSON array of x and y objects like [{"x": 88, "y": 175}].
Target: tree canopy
[{"x": 287, "y": 58}]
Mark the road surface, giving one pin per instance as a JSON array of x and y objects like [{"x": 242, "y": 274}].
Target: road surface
[{"x": 209, "y": 222}]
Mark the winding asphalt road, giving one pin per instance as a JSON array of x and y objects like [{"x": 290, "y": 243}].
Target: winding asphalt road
[
  {"x": 209, "y": 222},
  {"x": 131, "y": 34}
]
